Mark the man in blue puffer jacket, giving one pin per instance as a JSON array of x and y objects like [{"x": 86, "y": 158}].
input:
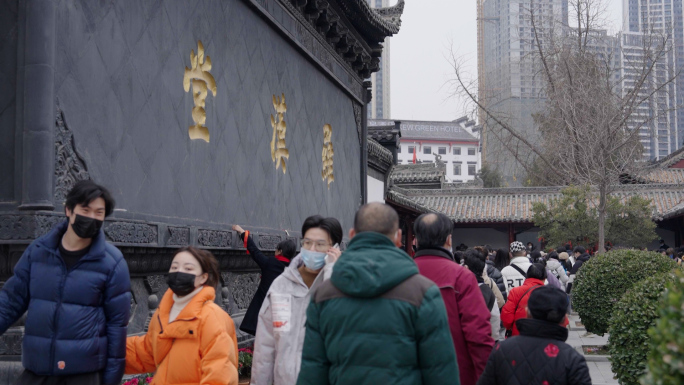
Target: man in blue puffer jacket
[{"x": 76, "y": 289}]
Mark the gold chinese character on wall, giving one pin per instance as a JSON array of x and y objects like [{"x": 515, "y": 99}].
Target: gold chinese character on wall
[
  {"x": 328, "y": 153},
  {"x": 279, "y": 151},
  {"x": 201, "y": 80}
]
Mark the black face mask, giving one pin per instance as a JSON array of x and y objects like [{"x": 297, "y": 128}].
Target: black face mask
[
  {"x": 181, "y": 284},
  {"x": 86, "y": 227}
]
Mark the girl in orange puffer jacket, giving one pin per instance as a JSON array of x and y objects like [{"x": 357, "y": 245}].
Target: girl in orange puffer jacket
[{"x": 190, "y": 340}]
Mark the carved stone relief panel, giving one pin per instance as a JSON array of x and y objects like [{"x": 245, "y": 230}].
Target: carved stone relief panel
[
  {"x": 10, "y": 342},
  {"x": 241, "y": 290},
  {"x": 26, "y": 227},
  {"x": 178, "y": 236},
  {"x": 69, "y": 165},
  {"x": 45, "y": 223},
  {"x": 139, "y": 307},
  {"x": 268, "y": 242},
  {"x": 156, "y": 284},
  {"x": 215, "y": 238},
  {"x": 128, "y": 232}
]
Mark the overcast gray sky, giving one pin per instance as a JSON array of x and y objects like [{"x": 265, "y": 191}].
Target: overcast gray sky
[{"x": 419, "y": 65}]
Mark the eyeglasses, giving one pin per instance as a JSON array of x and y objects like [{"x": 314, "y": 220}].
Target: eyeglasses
[{"x": 321, "y": 246}]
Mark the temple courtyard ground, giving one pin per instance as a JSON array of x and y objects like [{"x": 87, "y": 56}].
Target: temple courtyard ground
[{"x": 599, "y": 366}]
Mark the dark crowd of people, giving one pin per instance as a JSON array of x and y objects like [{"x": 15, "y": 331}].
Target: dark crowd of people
[{"x": 369, "y": 315}]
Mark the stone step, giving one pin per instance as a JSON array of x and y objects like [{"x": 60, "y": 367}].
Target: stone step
[{"x": 573, "y": 326}]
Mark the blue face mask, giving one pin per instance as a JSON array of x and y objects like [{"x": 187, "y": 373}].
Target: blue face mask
[{"x": 312, "y": 259}]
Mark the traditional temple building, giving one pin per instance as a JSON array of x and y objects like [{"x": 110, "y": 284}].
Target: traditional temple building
[
  {"x": 197, "y": 115},
  {"x": 499, "y": 216}
]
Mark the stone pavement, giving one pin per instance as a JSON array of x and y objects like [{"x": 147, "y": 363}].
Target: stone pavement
[{"x": 599, "y": 367}]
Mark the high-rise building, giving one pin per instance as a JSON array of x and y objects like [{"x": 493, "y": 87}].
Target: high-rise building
[
  {"x": 509, "y": 73},
  {"x": 656, "y": 117},
  {"x": 379, "y": 107},
  {"x": 511, "y": 84},
  {"x": 660, "y": 19}
]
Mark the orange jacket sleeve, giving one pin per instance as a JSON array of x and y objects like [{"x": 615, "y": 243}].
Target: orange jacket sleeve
[
  {"x": 139, "y": 358},
  {"x": 218, "y": 350}
]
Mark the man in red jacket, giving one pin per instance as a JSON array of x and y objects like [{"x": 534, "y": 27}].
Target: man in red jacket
[{"x": 466, "y": 309}]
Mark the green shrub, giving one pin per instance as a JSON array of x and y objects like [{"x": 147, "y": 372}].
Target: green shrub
[
  {"x": 636, "y": 311},
  {"x": 602, "y": 281},
  {"x": 666, "y": 356}
]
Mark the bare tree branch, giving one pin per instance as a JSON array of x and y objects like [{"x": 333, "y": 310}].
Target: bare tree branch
[{"x": 589, "y": 119}]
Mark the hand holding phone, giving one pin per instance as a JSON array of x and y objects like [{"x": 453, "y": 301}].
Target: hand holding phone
[{"x": 334, "y": 252}]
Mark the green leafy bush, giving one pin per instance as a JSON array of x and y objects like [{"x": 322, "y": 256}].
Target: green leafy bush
[
  {"x": 605, "y": 278},
  {"x": 666, "y": 356},
  {"x": 636, "y": 311}
]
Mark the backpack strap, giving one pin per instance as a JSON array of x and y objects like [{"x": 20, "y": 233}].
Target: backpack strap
[
  {"x": 490, "y": 300},
  {"x": 519, "y": 270}
]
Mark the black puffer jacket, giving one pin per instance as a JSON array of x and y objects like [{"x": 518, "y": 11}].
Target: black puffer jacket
[
  {"x": 580, "y": 261},
  {"x": 271, "y": 268},
  {"x": 573, "y": 272},
  {"x": 537, "y": 356},
  {"x": 495, "y": 275}
]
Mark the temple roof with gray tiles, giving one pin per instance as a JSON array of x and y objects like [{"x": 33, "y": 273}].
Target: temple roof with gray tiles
[
  {"x": 676, "y": 211},
  {"x": 417, "y": 173},
  {"x": 511, "y": 205},
  {"x": 664, "y": 176},
  {"x": 379, "y": 157}
]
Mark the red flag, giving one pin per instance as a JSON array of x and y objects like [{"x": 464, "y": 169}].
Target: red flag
[{"x": 414, "y": 155}]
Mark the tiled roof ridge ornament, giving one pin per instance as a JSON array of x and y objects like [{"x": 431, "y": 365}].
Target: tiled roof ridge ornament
[
  {"x": 438, "y": 160},
  {"x": 392, "y": 14},
  {"x": 378, "y": 22}
]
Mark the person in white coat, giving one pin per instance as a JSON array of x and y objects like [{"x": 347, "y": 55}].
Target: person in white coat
[
  {"x": 516, "y": 272},
  {"x": 554, "y": 266},
  {"x": 280, "y": 328}
]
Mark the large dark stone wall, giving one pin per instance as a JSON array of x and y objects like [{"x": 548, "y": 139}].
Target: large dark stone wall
[
  {"x": 119, "y": 69},
  {"x": 9, "y": 31},
  {"x": 121, "y": 118}
]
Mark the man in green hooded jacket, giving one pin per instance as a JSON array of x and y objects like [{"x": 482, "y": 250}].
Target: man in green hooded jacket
[{"x": 377, "y": 320}]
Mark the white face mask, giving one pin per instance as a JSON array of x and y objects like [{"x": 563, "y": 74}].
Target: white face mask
[{"x": 314, "y": 260}]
